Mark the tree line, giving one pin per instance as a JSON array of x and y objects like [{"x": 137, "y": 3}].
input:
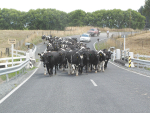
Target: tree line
[
  {"x": 145, "y": 11},
  {"x": 52, "y": 19}
]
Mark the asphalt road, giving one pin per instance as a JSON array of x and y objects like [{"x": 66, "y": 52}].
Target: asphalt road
[{"x": 114, "y": 91}]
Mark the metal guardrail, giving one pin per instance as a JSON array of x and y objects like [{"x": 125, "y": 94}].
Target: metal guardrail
[
  {"x": 143, "y": 62},
  {"x": 144, "y": 56},
  {"x": 4, "y": 71}
]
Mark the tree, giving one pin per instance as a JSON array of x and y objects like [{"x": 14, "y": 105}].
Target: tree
[
  {"x": 145, "y": 12},
  {"x": 77, "y": 18},
  {"x": 146, "y": 9}
]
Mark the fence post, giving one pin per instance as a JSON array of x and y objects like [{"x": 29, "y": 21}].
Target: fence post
[
  {"x": 7, "y": 77},
  {"x": 8, "y": 51}
]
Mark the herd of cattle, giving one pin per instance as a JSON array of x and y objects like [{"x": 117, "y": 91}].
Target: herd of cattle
[{"x": 72, "y": 55}]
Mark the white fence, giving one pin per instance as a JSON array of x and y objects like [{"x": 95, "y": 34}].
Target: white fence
[{"x": 14, "y": 64}]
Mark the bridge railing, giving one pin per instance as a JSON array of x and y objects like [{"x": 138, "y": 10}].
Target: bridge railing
[{"x": 124, "y": 55}]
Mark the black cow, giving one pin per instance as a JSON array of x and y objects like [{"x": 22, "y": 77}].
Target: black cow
[
  {"x": 50, "y": 60},
  {"x": 43, "y": 38},
  {"x": 85, "y": 52},
  {"x": 74, "y": 60},
  {"x": 93, "y": 59},
  {"x": 108, "y": 56},
  {"x": 63, "y": 60},
  {"x": 44, "y": 59}
]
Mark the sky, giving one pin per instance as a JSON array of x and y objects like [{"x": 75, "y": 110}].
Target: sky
[{"x": 72, "y": 5}]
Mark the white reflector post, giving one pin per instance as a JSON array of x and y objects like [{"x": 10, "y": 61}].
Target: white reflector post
[{"x": 117, "y": 53}]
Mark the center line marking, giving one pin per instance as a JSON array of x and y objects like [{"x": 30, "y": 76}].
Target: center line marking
[{"x": 93, "y": 82}]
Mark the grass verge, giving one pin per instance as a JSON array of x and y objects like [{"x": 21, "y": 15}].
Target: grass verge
[{"x": 11, "y": 75}]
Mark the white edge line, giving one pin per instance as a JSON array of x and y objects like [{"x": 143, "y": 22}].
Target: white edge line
[
  {"x": 93, "y": 82},
  {"x": 130, "y": 70},
  {"x": 10, "y": 93},
  {"x": 126, "y": 69}
]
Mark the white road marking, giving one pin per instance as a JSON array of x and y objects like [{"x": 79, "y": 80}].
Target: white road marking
[
  {"x": 93, "y": 82},
  {"x": 130, "y": 70},
  {"x": 3, "y": 99}
]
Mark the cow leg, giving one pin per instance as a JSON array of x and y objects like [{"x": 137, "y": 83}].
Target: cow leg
[
  {"x": 98, "y": 66},
  {"x": 73, "y": 69},
  {"x": 103, "y": 63},
  {"x": 82, "y": 69},
  {"x": 105, "y": 66},
  {"x": 77, "y": 73},
  {"x": 48, "y": 70},
  {"x": 68, "y": 68},
  {"x": 52, "y": 70},
  {"x": 95, "y": 68},
  {"x": 91, "y": 67},
  {"x": 45, "y": 71},
  {"x": 55, "y": 69},
  {"x": 62, "y": 66}
]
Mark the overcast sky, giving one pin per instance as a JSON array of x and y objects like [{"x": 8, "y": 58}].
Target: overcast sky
[{"x": 71, "y": 5}]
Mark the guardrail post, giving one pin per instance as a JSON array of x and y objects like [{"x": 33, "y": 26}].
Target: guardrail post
[
  {"x": 16, "y": 73},
  {"x": 7, "y": 77},
  {"x": 27, "y": 57}
]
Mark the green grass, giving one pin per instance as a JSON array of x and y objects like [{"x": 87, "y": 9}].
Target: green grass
[
  {"x": 147, "y": 68},
  {"x": 3, "y": 77},
  {"x": 32, "y": 69},
  {"x": 142, "y": 58},
  {"x": 37, "y": 60},
  {"x": 100, "y": 46},
  {"x": 10, "y": 75}
]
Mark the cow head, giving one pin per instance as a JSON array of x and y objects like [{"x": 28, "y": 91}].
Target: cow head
[
  {"x": 41, "y": 56},
  {"x": 102, "y": 56}
]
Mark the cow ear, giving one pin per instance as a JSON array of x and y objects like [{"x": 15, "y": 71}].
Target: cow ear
[{"x": 39, "y": 54}]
